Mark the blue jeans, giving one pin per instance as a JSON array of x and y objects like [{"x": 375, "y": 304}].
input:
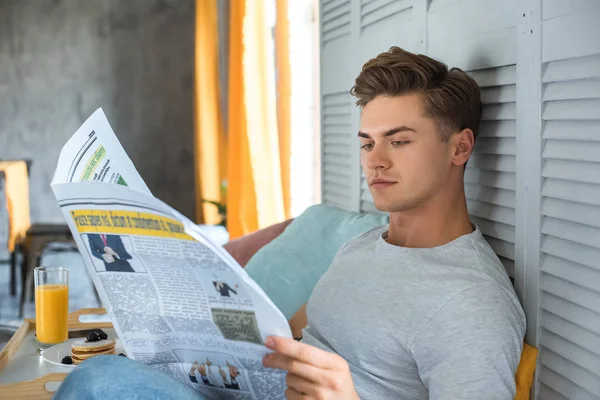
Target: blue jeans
[{"x": 116, "y": 377}]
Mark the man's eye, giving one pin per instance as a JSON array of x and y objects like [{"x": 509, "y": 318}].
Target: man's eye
[
  {"x": 399, "y": 143},
  {"x": 367, "y": 146}
]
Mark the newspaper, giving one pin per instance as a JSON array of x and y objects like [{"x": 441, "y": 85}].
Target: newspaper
[{"x": 178, "y": 302}]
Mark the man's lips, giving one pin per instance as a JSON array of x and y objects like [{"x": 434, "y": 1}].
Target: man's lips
[{"x": 380, "y": 183}]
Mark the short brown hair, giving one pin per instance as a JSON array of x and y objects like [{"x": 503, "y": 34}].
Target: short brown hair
[{"x": 451, "y": 97}]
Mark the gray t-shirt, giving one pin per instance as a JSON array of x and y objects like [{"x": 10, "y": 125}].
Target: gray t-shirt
[{"x": 440, "y": 323}]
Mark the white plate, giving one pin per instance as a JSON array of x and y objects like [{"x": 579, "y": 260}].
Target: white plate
[{"x": 56, "y": 353}]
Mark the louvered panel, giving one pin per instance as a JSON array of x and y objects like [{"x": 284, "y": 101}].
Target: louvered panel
[
  {"x": 570, "y": 332},
  {"x": 570, "y": 211},
  {"x": 565, "y": 70},
  {"x": 496, "y": 179},
  {"x": 572, "y": 109},
  {"x": 571, "y": 352},
  {"x": 495, "y": 230},
  {"x": 572, "y": 130},
  {"x": 587, "y": 383},
  {"x": 548, "y": 393},
  {"x": 374, "y": 11},
  {"x": 572, "y": 293},
  {"x": 578, "y": 233},
  {"x": 572, "y": 150},
  {"x": 571, "y": 312},
  {"x": 491, "y": 212},
  {"x": 572, "y": 191},
  {"x": 497, "y": 129},
  {"x": 571, "y": 170},
  {"x": 509, "y": 265},
  {"x": 367, "y": 204},
  {"x": 579, "y": 89},
  {"x": 499, "y": 197},
  {"x": 336, "y": 147},
  {"x": 492, "y": 162},
  {"x": 502, "y": 146},
  {"x": 571, "y": 251},
  {"x": 576, "y": 273},
  {"x": 490, "y": 174},
  {"x": 499, "y": 111},
  {"x": 565, "y": 387},
  {"x": 335, "y": 20}
]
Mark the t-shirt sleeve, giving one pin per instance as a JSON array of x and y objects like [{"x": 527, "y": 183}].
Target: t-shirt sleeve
[{"x": 470, "y": 349}]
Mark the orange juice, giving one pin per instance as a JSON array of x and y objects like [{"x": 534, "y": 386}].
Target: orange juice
[{"x": 51, "y": 312}]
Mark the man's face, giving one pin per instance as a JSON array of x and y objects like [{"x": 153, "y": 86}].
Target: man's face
[{"x": 404, "y": 160}]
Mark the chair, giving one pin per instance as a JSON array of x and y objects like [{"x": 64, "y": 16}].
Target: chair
[{"x": 38, "y": 238}]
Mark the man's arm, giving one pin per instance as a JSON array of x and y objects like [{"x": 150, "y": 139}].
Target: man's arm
[
  {"x": 472, "y": 346},
  {"x": 298, "y": 322},
  {"x": 95, "y": 250}
]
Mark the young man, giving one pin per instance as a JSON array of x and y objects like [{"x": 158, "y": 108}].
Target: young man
[{"x": 422, "y": 309}]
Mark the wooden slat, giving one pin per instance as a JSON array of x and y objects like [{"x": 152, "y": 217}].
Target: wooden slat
[
  {"x": 571, "y": 351},
  {"x": 559, "y": 384},
  {"x": 582, "y": 378},
  {"x": 571, "y": 271},
  {"x": 572, "y": 251},
  {"x": 499, "y": 197},
  {"x": 495, "y": 230},
  {"x": 570, "y": 231},
  {"x": 570, "y": 331},
  {"x": 572, "y": 130},
  {"x": 572, "y": 109},
  {"x": 575, "y": 171},
  {"x": 505, "y": 128},
  {"x": 571, "y": 312},
  {"x": 503, "y": 180},
  {"x": 575, "y": 294},
  {"x": 492, "y": 162},
  {"x": 571, "y": 211},
  {"x": 573, "y": 191},
  {"x": 499, "y": 94},
  {"x": 499, "y": 112},
  {"x": 572, "y": 90},
  {"x": 495, "y": 76},
  {"x": 490, "y": 212},
  {"x": 575, "y": 68},
  {"x": 573, "y": 150}
]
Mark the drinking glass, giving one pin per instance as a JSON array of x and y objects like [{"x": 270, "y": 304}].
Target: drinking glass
[{"x": 51, "y": 306}]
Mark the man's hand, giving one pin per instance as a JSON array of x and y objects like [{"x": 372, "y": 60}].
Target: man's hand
[
  {"x": 108, "y": 258},
  {"x": 312, "y": 372},
  {"x": 111, "y": 252}
]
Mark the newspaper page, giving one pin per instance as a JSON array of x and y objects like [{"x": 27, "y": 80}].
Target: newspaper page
[
  {"x": 178, "y": 302},
  {"x": 94, "y": 154}
]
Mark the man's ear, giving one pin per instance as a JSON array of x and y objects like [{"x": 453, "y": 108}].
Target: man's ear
[{"x": 463, "y": 143}]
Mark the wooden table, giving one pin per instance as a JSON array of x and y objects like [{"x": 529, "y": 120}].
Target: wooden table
[{"x": 24, "y": 373}]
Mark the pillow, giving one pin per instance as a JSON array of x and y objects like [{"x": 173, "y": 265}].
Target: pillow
[
  {"x": 243, "y": 248},
  {"x": 525, "y": 371},
  {"x": 289, "y": 267}
]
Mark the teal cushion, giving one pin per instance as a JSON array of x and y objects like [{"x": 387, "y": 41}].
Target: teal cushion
[{"x": 289, "y": 267}]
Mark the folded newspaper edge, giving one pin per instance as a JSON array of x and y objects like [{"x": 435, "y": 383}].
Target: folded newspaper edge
[{"x": 178, "y": 302}]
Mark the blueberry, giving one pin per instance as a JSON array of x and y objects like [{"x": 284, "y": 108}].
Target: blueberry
[
  {"x": 122, "y": 355},
  {"x": 102, "y": 335},
  {"x": 67, "y": 360},
  {"x": 92, "y": 337}
]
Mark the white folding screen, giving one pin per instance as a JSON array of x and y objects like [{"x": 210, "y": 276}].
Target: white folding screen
[{"x": 533, "y": 183}]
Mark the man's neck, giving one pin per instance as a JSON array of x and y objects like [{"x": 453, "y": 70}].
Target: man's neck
[{"x": 434, "y": 223}]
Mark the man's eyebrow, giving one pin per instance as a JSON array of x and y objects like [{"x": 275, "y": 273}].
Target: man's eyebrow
[{"x": 391, "y": 132}]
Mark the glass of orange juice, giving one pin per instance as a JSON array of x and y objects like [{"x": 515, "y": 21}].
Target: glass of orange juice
[{"x": 51, "y": 306}]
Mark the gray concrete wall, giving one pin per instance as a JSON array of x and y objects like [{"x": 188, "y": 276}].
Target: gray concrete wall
[{"x": 62, "y": 59}]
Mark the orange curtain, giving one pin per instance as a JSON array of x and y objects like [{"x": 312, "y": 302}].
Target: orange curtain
[
  {"x": 209, "y": 141},
  {"x": 241, "y": 197},
  {"x": 284, "y": 97},
  {"x": 255, "y": 193}
]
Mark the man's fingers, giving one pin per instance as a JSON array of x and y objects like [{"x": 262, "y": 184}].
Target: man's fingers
[
  {"x": 301, "y": 351},
  {"x": 291, "y": 394},
  {"x": 296, "y": 367},
  {"x": 301, "y": 385}
]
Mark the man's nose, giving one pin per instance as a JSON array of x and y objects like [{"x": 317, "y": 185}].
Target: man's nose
[{"x": 377, "y": 159}]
